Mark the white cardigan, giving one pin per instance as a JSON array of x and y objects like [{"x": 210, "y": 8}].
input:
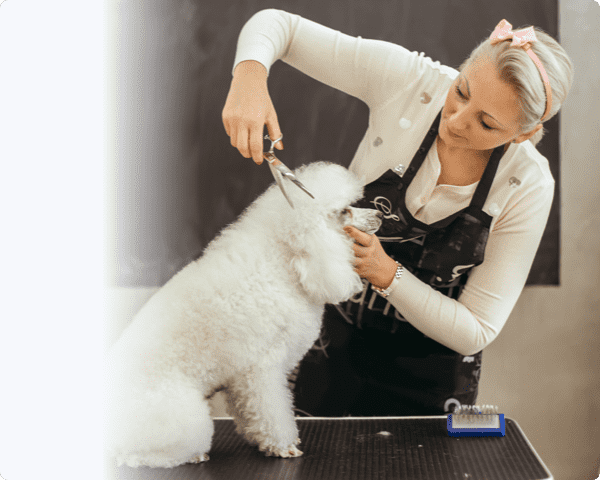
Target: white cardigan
[{"x": 404, "y": 92}]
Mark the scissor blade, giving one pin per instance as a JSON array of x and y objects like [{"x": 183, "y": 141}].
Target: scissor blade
[
  {"x": 299, "y": 183},
  {"x": 279, "y": 179},
  {"x": 286, "y": 172}
]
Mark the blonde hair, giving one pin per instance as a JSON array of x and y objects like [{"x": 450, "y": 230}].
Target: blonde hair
[{"x": 517, "y": 69}]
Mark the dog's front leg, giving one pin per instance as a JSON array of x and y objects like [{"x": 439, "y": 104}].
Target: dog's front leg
[{"x": 261, "y": 404}]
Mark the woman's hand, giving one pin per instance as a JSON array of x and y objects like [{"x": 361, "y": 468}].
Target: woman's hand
[
  {"x": 248, "y": 108},
  {"x": 371, "y": 261}
]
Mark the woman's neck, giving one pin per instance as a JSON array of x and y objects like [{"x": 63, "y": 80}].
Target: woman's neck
[{"x": 461, "y": 166}]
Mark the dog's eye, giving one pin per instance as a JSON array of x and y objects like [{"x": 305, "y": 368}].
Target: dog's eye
[{"x": 341, "y": 215}]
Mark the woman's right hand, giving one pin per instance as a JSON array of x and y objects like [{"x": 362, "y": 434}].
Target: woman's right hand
[{"x": 248, "y": 108}]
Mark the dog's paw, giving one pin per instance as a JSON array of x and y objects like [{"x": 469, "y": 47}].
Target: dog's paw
[
  {"x": 200, "y": 458},
  {"x": 288, "y": 452}
]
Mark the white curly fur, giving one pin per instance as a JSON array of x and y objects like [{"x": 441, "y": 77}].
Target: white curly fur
[{"x": 240, "y": 318}]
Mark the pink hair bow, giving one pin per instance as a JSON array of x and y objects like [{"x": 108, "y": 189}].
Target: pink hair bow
[
  {"x": 523, "y": 39},
  {"x": 520, "y": 38}
]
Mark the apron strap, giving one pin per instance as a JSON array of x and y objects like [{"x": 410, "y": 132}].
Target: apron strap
[
  {"x": 483, "y": 188},
  {"x": 421, "y": 153}
]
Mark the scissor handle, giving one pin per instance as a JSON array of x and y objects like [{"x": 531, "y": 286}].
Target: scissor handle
[
  {"x": 273, "y": 142},
  {"x": 272, "y": 159}
]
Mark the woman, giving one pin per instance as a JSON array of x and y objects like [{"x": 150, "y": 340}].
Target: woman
[{"x": 449, "y": 159}]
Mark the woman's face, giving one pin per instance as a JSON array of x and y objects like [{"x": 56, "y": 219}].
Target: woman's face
[{"x": 481, "y": 111}]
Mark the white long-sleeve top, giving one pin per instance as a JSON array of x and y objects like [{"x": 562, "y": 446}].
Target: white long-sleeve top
[{"x": 404, "y": 92}]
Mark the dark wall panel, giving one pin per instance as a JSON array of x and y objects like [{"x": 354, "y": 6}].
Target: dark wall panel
[{"x": 178, "y": 181}]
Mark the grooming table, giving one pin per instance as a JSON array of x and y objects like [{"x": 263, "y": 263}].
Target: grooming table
[{"x": 382, "y": 448}]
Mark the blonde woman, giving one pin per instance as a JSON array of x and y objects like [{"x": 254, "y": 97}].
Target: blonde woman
[{"x": 449, "y": 158}]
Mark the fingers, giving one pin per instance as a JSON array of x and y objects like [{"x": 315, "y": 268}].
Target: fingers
[
  {"x": 370, "y": 259},
  {"x": 256, "y": 143},
  {"x": 256, "y": 140},
  {"x": 274, "y": 130},
  {"x": 359, "y": 236},
  {"x": 225, "y": 123},
  {"x": 250, "y": 142},
  {"x": 359, "y": 251},
  {"x": 239, "y": 139}
]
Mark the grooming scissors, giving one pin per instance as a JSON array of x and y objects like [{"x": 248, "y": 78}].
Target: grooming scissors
[{"x": 280, "y": 171}]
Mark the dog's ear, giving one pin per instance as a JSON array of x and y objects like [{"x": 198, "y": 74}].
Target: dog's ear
[{"x": 324, "y": 261}]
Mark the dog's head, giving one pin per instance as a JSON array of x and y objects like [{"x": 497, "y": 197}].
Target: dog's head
[
  {"x": 313, "y": 230},
  {"x": 366, "y": 219},
  {"x": 333, "y": 186},
  {"x": 335, "y": 189}
]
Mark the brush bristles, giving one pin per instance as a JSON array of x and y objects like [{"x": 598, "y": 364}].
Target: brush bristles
[
  {"x": 476, "y": 410},
  {"x": 473, "y": 416}
]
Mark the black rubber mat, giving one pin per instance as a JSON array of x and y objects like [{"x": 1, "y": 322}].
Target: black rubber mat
[{"x": 406, "y": 448}]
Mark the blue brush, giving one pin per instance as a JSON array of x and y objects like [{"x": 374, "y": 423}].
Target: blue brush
[{"x": 476, "y": 421}]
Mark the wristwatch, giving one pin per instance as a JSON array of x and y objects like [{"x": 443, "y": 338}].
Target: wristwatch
[{"x": 385, "y": 292}]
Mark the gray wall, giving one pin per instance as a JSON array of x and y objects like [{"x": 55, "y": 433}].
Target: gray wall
[{"x": 544, "y": 367}]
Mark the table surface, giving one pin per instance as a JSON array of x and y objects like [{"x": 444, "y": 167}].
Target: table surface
[{"x": 418, "y": 448}]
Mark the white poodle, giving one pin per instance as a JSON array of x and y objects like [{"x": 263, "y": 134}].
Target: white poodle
[{"x": 240, "y": 318}]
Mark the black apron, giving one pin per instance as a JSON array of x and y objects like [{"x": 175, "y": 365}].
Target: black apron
[{"x": 369, "y": 361}]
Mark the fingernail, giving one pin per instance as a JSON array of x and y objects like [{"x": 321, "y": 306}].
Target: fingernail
[{"x": 279, "y": 145}]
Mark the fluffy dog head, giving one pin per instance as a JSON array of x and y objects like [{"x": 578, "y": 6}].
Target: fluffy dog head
[
  {"x": 321, "y": 252},
  {"x": 333, "y": 186}
]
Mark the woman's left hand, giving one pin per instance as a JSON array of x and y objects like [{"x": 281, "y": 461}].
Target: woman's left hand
[{"x": 371, "y": 261}]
